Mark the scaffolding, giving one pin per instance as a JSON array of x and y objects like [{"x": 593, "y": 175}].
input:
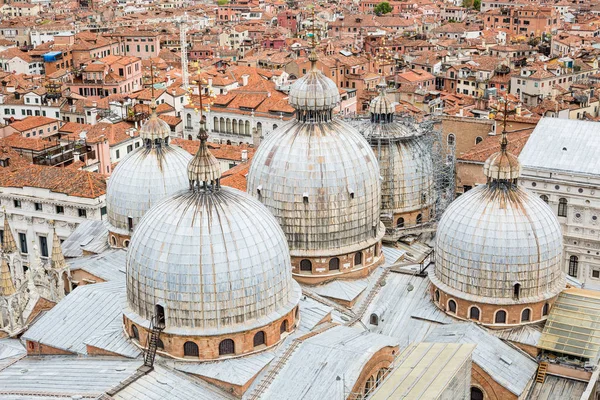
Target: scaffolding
[{"x": 441, "y": 170}]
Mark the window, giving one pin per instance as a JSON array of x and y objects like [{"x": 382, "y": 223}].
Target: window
[
  {"x": 134, "y": 332},
  {"x": 451, "y": 139},
  {"x": 358, "y": 258},
  {"x": 476, "y": 394},
  {"x": 334, "y": 264},
  {"x": 369, "y": 385},
  {"x": 23, "y": 242},
  {"x": 452, "y": 306},
  {"x": 103, "y": 211},
  {"x": 419, "y": 219},
  {"x": 130, "y": 223},
  {"x": 400, "y": 223},
  {"x": 544, "y": 198},
  {"x": 82, "y": 213},
  {"x": 129, "y": 148},
  {"x": 118, "y": 154},
  {"x": 478, "y": 139},
  {"x": 190, "y": 349},
  {"x": 573, "y": 266},
  {"x": 284, "y": 326},
  {"x": 17, "y": 203},
  {"x": 38, "y": 206},
  {"x": 259, "y": 339},
  {"x": 226, "y": 347},
  {"x": 562, "y": 207},
  {"x": 437, "y": 296},
  {"x": 526, "y": 315},
  {"x": 516, "y": 290},
  {"x": 1, "y": 236},
  {"x": 44, "y": 246},
  {"x": 545, "y": 309},
  {"x": 60, "y": 210},
  {"x": 305, "y": 265},
  {"x": 500, "y": 317},
  {"x": 474, "y": 313},
  {"x": 595, "y": 272},
  {"x": 373, "y": 319}
]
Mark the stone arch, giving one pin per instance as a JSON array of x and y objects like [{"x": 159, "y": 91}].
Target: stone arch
[
  {"x": 216, "y": 124},
  {"x": 259, "y": 339},
  {"x": 305, "y": 265},
  {"x": 222, "y": 125},
  {"x": 452, "y": 306},
  {"x": 526, "y": 315},
  {"x": 283, "y": 327},
  {"x": 334, "y": 264},
  {"x": 358, "y": 258},
  {"x": 190, "y": 349},
  {"x": 500, "y": 317},
  {"x": 474, "y": 313},
  {"x": 227, "y": 346}
]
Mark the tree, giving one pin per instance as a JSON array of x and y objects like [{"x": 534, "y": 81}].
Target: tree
[
  {"x": 383, "y": 8},
  {"x": 222, "y": 2},
  {"x": 477, "y": 4}
]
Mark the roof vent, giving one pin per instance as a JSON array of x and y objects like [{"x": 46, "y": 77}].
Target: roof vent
[
  {"x": 505, "y": 359},
  {"x": 564, "y": 149}
]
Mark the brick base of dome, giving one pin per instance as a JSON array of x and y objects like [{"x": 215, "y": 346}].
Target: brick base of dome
[
  {"x": 321, "y": 270},
  {"x": 208, "y": 346},
  {"x": 118, "y": 240},
  {"x": 409, "y": 224},
  {"x": 487, "y": 311}
]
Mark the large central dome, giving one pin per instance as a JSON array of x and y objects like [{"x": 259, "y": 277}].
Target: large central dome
[{"x": 320, "y": 179}]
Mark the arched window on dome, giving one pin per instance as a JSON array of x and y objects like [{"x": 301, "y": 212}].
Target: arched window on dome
[
  {"x": 190, "y": 349},
  {"x": 526, "y": 315},
  {"x": 500, "y": 317},
  {"x": 544, "y": 198},
  {"x": 284, "y": 326},
  {"x": 159, "y": 315},
  {"x": 113, "y": 240},
  {"x": 452, "y": 306},
  {"x": 126, "y": 243},
  {"x": 573, "y": 266},
  {"x": 358, "y": 258},
  {"x": 134, "y": 332},
  {"x": 476, "y": 393},
  {"x": 226, "y": 347},
  {"x": 562, "y": 207},
  {"x": 305, "y": 266},
  {"x": 419, "y": 219},
  {"x": 369, "y": 385},
  {"x": 478, "y": 139},
  {"x": 451, "y": 139},
  {"x": 188, "y": 121},
  {"x": 516, "y": 290},
  {"x": 160, "y": 344},
  {"x": 374, "y": 319},
  {"x": 545, "y": 309},
  {"x": 474, "y": 313},
  {"x": 437, "y": 296},
  {"x": 259, "y": 339},
  {"x": 274, "y": 126},
  {"x": 400, "y": 223},
  {"x": 334, "y": 264}
]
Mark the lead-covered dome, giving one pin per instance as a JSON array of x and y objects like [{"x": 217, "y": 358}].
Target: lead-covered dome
[
  {"x": 499, "y": 243},
  {"x": 320, "y": 178},
  {"x": 212, "y": 258},
  {"x": 142, "y": 178}
]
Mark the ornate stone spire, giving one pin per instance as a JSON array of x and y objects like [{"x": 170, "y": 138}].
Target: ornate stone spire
[
  {"x": 8, "y": 244},
  {"x": 57, "y": 260},
  {"x": 204, "y": 171},
  {"x": 7, "y": 286}
]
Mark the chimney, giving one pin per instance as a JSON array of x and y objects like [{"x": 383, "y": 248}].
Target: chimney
[
  {"x": 94, "y": 104},
  {"x": 518, "y": 109},
  {"x": 245, "y": 79},
  {"x": 209, "y": 82},
  {"x": 461, "y": 112},
  {"x": 244, "y": 155},
  {"x": 173, "y": 92}
]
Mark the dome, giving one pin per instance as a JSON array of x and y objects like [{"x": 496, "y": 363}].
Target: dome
[
  {"x": 498, "y": 237},
  {"x": 142, "y": 178},
  {"x": 321, "y": 181},
  {"x": 502, "y": 166},
  {"x": 314, "y": 92},
  {"x": 212, "y": 257},
  {"x": 217, "y": 263}
]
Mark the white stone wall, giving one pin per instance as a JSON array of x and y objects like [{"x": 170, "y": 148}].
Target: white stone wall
[
  {"x": 35, "y": 223},
  {"x": 581, "y": 226}
]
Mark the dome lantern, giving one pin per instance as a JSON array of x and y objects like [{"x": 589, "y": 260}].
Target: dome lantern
[
  {"x": 204, "y": 171},
  {"x": 381, "y": 108}
]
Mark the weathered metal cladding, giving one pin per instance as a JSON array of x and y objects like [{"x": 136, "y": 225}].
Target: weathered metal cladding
[
  {"x": 406, "y": 168},
  {"x": 502, "y": 166},
  {"x": 141, "y": 179},
  {"x": 496, "y": 236},
  {"x": 217, "y": 262},
  {"x": 314, "y": 92},
  {"x": 321, "y": 181},
  {"x": 155, "y": 128},
  {"x": 381, "y": 105}
]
